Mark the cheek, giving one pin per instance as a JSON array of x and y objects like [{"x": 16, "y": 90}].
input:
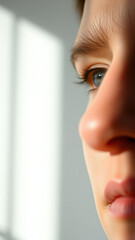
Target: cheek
[
  {"x": 99, "y": 170},
  {"x": 98, "y": 166}
]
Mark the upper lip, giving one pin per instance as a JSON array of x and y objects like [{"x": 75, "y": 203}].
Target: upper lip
[{"x": 117, "y": 188}]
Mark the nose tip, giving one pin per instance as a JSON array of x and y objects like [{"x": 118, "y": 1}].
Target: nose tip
[
  {"x": 94, "y": 132},
  {"x": 104, "y": 134}
]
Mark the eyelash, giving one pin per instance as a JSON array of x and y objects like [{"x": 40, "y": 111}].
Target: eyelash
[{"x": 84, "y": 79}]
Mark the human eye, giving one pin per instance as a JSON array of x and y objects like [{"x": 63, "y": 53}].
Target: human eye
[{"x": 93, "y": 77}]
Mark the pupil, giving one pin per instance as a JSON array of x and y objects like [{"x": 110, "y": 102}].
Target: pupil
[{"x": 98, "y": 77}]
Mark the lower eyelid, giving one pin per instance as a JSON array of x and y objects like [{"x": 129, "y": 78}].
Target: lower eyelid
[{"x": 92, "y": 90}]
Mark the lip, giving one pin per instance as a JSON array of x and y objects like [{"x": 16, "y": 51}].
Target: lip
[{"x": 120, "y": 197}]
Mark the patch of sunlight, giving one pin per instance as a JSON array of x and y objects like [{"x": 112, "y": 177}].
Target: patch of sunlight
[
  {"x": 37, "y": 134},
  {"x": 7, "y": 21}
]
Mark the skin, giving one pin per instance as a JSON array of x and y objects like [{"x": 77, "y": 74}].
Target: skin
[{"x": 107, "y": 128}]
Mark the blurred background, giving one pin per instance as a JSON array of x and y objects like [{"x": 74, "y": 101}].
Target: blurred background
[{"x": 45, "y": 191}]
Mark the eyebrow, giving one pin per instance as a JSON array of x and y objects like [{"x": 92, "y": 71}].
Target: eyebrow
[
  {"x": 89, "y": 43},
  {"x": 99, "y": 32}
]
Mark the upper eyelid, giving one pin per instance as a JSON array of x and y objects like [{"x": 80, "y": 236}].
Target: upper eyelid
[
  {"x": 83, "y": 69},
  {"x": 86, "y": 72}
]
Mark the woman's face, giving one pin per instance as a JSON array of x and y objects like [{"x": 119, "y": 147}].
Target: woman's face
[{"x": 104, "y": 56}]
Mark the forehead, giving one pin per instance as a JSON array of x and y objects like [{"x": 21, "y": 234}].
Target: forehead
[{"x": 114, "y": 17}]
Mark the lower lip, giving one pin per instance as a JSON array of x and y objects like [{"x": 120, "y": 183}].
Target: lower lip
[{"x": 123, "y": 207}]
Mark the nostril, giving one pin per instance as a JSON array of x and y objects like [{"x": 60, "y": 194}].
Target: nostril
[
  {"x": 123, "y": 140},
  {"x": 120, "y": 144}
]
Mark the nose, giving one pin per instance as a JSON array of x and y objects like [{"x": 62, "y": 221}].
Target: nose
[{"x": 109, "y": 121}]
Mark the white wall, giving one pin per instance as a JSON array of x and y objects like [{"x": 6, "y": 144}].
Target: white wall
[{"x": 44, "y": 185}]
